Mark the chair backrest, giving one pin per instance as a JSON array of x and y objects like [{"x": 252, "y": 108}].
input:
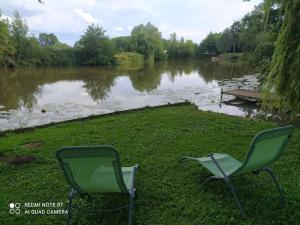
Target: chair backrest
[
  {"x": 91, "y": 169},
  {"x": 265, "y": 148}
]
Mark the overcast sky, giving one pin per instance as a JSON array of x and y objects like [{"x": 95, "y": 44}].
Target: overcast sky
[{"x": 192, "y": 19}]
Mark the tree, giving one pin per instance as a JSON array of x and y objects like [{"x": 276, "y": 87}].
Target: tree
[
  {"x": 146, "y": 40},
  {"x": 108, "y": 52},
  {"x": 283, "y": 75},
  {"x": 190, "y": 48},
  {"x": 225, "y": 42},
  {"x": 209, "y": 44},
  {"x": 19, "y": 30},
  {"x": 180, "y": 49},
  {"x": 7, "y": 49},
  {"x": 172, "y": 46},
  {"x": 27, "y": 47},
  {"x": 251, "y": 29},
  {"x": 93, "y": 48},
  {"x": 122, "y": 44},
  {"x": 235, "y": 32},
  {"x": 47, "y": 40}
]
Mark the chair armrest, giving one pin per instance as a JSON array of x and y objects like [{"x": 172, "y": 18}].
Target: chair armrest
[
  {"x": 211, "y": 155},
  {"x": 137, "y": 166},
  {"x": 184, "y": 158}
]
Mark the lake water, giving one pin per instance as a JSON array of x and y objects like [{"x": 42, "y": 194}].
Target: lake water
[{"x": 32, "y": 97}]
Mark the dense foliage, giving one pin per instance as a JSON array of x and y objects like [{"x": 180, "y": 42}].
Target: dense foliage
[
  {"x": 283, "y": 80},
  {"x": 147, "y": 40},
  {"x": 251, "y": 35},
  {"x": 94, "y": 48},
  {"x": 7, "y": 49},
  {"x": 209, "y": 44},
  {"x": 247, "y": 35},
  {"x": 270, "y": 37},
  {"x": 18, "y": 48},
  {"x": 178, "y": 49},
  {"x": 129, "y": 59}
]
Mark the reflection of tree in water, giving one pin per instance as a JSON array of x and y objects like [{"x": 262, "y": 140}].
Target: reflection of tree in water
[
  {"x": 149, "y": 78},
  {"x": 206, "y": 69},
  {"x": 213, "y": 71},
  {"x": 98, "y": 83},
  {"x": 16, "y": 91},
  {"x": 21, "y": 88},
  {"x": 179, "y": 67},
  {"x": 146, "y": 79}
]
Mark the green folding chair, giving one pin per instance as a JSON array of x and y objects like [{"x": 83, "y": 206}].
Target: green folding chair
[
  {"x": 96, "y": 169},
  {"x": 266, "y": 147}
]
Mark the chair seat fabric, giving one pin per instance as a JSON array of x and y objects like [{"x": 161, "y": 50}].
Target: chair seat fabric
[
  {"x": 128, "y": 176},
  {"x": 94, "y": 169},
  {"x": 228, "y": 164}
]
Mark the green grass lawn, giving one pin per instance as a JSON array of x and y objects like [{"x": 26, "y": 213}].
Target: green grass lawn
[{"x": 169, "y": 192}]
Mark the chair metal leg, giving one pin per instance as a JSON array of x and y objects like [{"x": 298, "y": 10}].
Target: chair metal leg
[
  {"x": 131, "y": 205},
  {"x": 235, "y": 196},
  {"x": 207, "y": 180},
  {"x": 73, "y": 193},
  {"x": 71, "y": 196},
  {"x": 184, "y": 158},
  {"x": 132, "y": 195},
  {"x": 282, "y": 198},
  {"x": 230, "y": 185}
]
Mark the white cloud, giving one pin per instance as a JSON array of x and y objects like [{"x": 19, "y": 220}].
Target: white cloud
[
  {"x": 4, "y": 17},
  {"x": 118, "y": 28},
  {"x": 88, "y": 18}
]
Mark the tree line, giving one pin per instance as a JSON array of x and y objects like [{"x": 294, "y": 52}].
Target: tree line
[
  {"x": 251, "y": 35},
  {"x": 19, "y": 48},
  {"x": 248, "y": 35},
  {"x": 270, "y": 37}
]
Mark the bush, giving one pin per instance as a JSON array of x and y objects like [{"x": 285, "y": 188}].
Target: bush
[{"x": 129, "y": 59}]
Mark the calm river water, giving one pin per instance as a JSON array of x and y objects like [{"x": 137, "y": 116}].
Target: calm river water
[{"x": 32, "y": 97}]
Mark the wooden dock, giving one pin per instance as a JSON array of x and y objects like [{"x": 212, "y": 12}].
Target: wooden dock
[{"x": 243, "y": 94}]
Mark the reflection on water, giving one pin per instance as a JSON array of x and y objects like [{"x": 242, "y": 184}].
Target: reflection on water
[{"x": 67, "y": 93}]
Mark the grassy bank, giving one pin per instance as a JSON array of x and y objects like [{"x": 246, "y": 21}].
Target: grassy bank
[
  {"x": 129, "y": 60},
  {"x": 232, "y": 59},
  {"x": 169, "y": 192}
]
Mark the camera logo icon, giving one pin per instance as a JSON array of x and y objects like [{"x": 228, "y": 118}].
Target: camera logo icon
[{"x": 14, "y": 208}]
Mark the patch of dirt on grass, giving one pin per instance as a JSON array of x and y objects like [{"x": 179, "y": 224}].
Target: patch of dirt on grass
[
  {"x": 17, "y": 160},
  {"x": 21, "y": 160},
  {"x": 37, "y": 144}
]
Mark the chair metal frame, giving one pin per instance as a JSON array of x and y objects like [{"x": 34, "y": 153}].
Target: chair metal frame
[
  {"x": 233, "y": 190},
  {"x": 76, "y": 191},
  {"x": 266, "y": 168},
  {"x": 73, "y": 193}
]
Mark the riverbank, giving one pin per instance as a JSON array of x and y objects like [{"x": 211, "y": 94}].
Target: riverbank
[
  {"x": 231, "y": 59},
  {"x": 168, "y": 191}
]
